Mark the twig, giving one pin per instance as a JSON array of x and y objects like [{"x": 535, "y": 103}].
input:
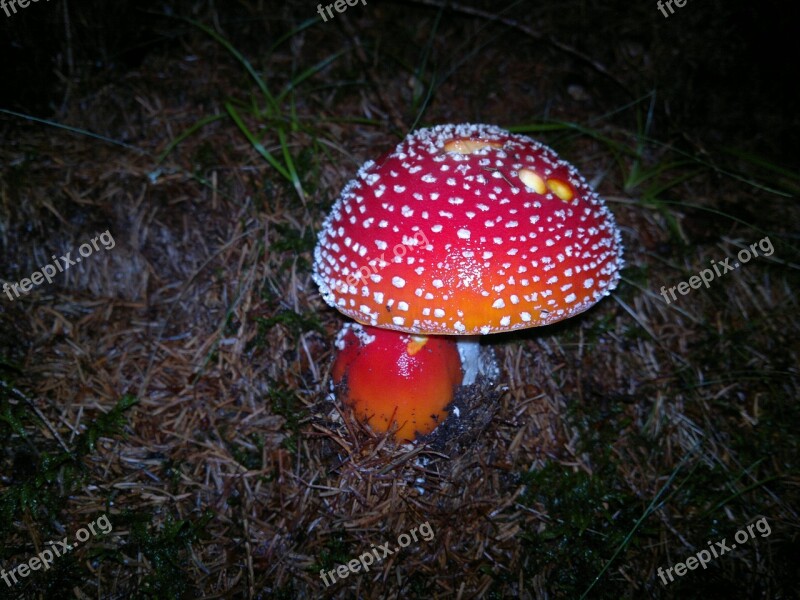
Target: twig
[{"x": 39, "y": 414}]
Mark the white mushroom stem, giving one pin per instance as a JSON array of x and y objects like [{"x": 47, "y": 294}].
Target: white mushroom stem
[{"x": 469, "y": 349}]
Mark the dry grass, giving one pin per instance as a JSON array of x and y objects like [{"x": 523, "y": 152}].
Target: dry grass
[{"x": 236, "y": 476}]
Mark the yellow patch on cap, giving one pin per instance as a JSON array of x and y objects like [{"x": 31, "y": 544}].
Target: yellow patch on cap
[
  {"x": 561, "y": 189},
  {"x": 532, "y": 180},
  {"x": 469, "y": 146}
]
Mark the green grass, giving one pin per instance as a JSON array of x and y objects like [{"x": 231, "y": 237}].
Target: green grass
[
  {"x": 650, "y": 168},
  {"x": 268, "y": 120}
]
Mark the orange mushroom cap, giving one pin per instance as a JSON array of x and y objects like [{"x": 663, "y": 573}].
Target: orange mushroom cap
[{"x": 389, "y": 377}]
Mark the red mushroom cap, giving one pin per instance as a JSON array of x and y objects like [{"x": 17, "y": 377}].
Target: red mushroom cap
[
  {"x": 467, "y": 229},
  {"x": 413, "y": 395}
]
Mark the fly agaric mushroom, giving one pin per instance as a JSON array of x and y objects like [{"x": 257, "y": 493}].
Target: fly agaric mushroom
[
  {"x": 488, "y": 231},
  {"x": 391, "y": 377}
]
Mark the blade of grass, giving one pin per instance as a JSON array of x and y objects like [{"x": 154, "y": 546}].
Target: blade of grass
[
  {"x": 310, "y": 71},
  {"x": 286, "y": 36},
  {"x": 262, "y": 85},
  {"x": 639, "y": 175},
  {"x": 738, "y": 493},
  {"x": 648, "y": 511},
  {"x": 792, "y": 179},
  {"x": 259, "y": 147},
  {"x": 72, "y": 129},
  {"x": 287, "y": 157},
  {"x": 656, "y": 190},
  {"x": 757, "y": 160},
  {"x": 190, "y": 131}
]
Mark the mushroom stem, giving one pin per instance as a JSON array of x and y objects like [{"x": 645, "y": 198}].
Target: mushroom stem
[{"x": 469, "y": 349}]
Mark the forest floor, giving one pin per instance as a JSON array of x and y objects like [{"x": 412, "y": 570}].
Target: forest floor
[{"x": 177, "y": 380}]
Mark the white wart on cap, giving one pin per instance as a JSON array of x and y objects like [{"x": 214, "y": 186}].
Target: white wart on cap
[{"x": 463, "y": 230}]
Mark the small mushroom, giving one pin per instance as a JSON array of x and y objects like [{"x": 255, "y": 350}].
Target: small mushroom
[
  {"x": 390, "y": 378},
  {"x": 467, "y": 230}
]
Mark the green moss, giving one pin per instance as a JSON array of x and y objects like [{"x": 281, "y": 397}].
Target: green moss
[
  {"x": 285, "y": 403},
  {"x": 335, "y": 552},
  {"x": 288, "y": 239},
  {"x": 594, "y": 525},
  {"x": 43, "y": 476},
  {"x": 44, "y": 480},
  {"x": 167, "y": 550},
  {"x": 250, "y": 459},
  {"x": 296, "y": 323},
  {"x": 588, "y": 519}
]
